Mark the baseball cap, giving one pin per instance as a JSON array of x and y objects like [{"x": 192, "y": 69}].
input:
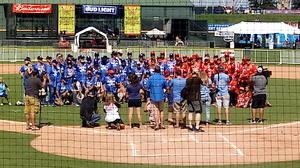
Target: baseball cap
[
  {"x": 138, "y": 63},
  {"x": 27, "y": 59},
  {"x": 69, "y": 62},
  {"x": 69, "y": 55},
  {"x": 120, "y": 51},
  {"x": 39, "y": 57},
  {"x": 54, "y": 61},
  {"x": 80, "y": 57},
  {"x": 129, "y": 53},
  {"x": 48, "y": 57},
  {"x": 114, "y": 53},
  {"x": 178, "y": 59},
  {"x": 245, "y": 59},
  {"x": 259, "y": 69},
  {"x": 220, "y": 68},
  {"x": 110, "y": 71},
  {"x": 167, "y": 71}
]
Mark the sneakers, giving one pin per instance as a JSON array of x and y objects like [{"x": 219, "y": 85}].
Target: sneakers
[
  {"x": 1, "y": 104},
  {"x": 252, "y": 121},
  {"x": 228, "y": 123},
  {"x": 260, "y": 122},
  {"x": 219, "y": 123},
  {"x": 199, "y": 130},
  {"x": 190, "y": 128},
  {"x": 9, "y": 103},
  {"x": 34, "y": 128},
  {"x": 156, "y": 128},
  {"x": 28, "y": 127}
]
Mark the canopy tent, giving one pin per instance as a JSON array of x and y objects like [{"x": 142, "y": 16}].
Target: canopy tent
[
  {"x": 155, "y": 32},
  {"x": 258, "y": 28},
  {"x": 77, "y": 36}
]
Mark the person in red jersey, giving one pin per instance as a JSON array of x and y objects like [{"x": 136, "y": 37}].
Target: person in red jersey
[
  {"x": 227, "y": 60},
  {"x": 233, "y": 90},
  {"x": 211, "y": 71},
  {"x": 177, "y": 55},
  {"x": 215, "y": 58},
  {"x": 163, "y": 57},
  {"x": 178, "y": 65},
  {"x": 241, "y": 98},
  {"x": 185, "y": 74},
  {"x": 194, "y": 64},
  {"x": 152, "y": 57}
]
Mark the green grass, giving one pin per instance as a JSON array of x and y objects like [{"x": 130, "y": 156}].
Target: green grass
[
  {"x": 15, "y": 149},
  {"x": 236, "y": 18}
]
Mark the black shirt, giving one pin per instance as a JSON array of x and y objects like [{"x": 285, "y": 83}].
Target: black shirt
[
  {"x": 193, "y": 86},
  {"x": 88, "y": 106}
]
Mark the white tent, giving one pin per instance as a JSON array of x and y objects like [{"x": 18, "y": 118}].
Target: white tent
[
  {"x": 258, "y": 28},
  {"x": 77, "y": 36},
  {"x": 155, "y": 32}
]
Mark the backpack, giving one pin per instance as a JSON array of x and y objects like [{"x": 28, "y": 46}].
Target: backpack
[{"x": 184, "y": 93}]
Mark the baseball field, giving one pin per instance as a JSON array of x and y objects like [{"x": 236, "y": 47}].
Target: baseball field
[{"x": 65, "y": 144}]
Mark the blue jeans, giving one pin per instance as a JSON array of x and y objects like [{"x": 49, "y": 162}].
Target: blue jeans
[
  {"x": 51, "y": 92},
  {"x": 94, "y": 119},
  {"x": 206, "y": 102}
]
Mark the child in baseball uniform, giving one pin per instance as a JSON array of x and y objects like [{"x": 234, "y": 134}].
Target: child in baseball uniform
[{"x": 3, "y": 91}]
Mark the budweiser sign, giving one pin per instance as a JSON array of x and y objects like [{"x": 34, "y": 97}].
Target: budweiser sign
[{"x": 32, "y": 8}]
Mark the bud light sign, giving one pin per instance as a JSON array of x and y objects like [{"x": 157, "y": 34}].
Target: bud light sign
[{"x": 109, "y": 10}]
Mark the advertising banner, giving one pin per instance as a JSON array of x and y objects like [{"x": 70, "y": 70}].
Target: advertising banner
[
  {"x": 217, "y": 26},
  {"x": 32, "y": 8},
  {"x": 132, "y": 20},
  {"x": 66, "y": 19},
  {"x": 283, "y": 11},
  {"x": 109, "y": 10}
]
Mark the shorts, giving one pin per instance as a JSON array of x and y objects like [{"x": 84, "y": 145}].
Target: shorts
[
  {"x": 32, "y": 105},
  {"x": 259, "y": 101},
  {"x": 195, "y": 106},
  {"x": 134, "y": 103},
  {"x": 223, "y": 100},
  {"x": 159, "y": 105},
  {"x": 170, "y": 109},
  {"x": 180, "y": 107}
]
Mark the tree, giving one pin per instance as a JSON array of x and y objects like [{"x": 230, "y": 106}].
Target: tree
[{"x": 263, "y": 4}]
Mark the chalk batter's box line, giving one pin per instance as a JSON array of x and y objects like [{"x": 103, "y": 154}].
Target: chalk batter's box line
[{"x": 135, "y": 151}]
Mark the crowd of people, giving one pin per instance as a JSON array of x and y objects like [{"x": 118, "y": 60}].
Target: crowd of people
[{"x": 208, "y": 80}]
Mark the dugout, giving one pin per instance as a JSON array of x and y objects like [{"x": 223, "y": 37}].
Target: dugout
[{"x": 171, "y": 16}]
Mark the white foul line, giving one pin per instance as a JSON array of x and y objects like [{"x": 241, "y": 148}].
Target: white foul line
[
  {"x": 240, "y": 153},
  {"x": 133, "y": 148},
  {"x": 262, "y": 128}
]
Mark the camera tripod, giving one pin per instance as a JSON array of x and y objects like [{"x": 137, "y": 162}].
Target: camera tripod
[{"x": 40, "y": 124}]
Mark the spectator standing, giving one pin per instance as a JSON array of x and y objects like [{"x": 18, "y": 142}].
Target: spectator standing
[
  {"x": 259, "y": 95},
  {"x": 157, "y": 83},
  {"x": 134, "y": 99},
  {"x": 179, "y": 105},
  {"x": 221, "y": 80},
  {"x": 32, "y": 105},
  {"x": 205, "y": 97},
  {"x": 193, "y": 85}
]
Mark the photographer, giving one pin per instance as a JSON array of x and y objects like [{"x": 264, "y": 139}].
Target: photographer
[
  {"x": 89, "y": 111},
  {"x": 32, "y": 104},
  {"x": 259, "y": 81}
]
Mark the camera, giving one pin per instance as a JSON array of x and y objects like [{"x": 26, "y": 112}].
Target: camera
[{"x": 266, "y": 72}]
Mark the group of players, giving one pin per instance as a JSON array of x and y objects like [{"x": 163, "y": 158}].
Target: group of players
[{"x": 70, "y": 78}]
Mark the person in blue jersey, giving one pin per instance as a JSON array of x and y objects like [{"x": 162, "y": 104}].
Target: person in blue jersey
[
  {"x": 96, "y": 58},
  {"x": 161, "y": 64},
  {"x": 89, "y": 62},
  {"x": 62, "y": 92},
  {"x": 105, "y": 66},
  {"x": 48, "y": 61},
  {"x": 179, "y": 104},
  {"x": 69, "y": 72},
  {"x": 145, "y": 91},
  {"x": 221, "y": 81},
  {"x": 61, "y": 64},
  {"x": 54, "y": 79},
  {"x": 4, "y": 89},
  {"x": 111, "y": 83},
  {"x": 141, "y": 59},
  {"x": 23, "y": 71},
  {"x": 114, "y": 61},
  {"x": 170, "y": 64},
  {"x": 130, "y": 62},
  {"x": 157, "y": 83},
  {"x": 39, "y": 66},
  {"x": 96, "y": 68},
  {"x": 169, "y": 97},
  {"x": 139, "y": 71},
  {"x": 81, "y": 69},
  {"x": 99, "y": 86},
  {"x": 124, "y": 71},
  {"x": 89, "y": 83}
]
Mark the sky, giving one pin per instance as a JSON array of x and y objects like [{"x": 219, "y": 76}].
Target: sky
[{"x": 205, "y": 3}]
